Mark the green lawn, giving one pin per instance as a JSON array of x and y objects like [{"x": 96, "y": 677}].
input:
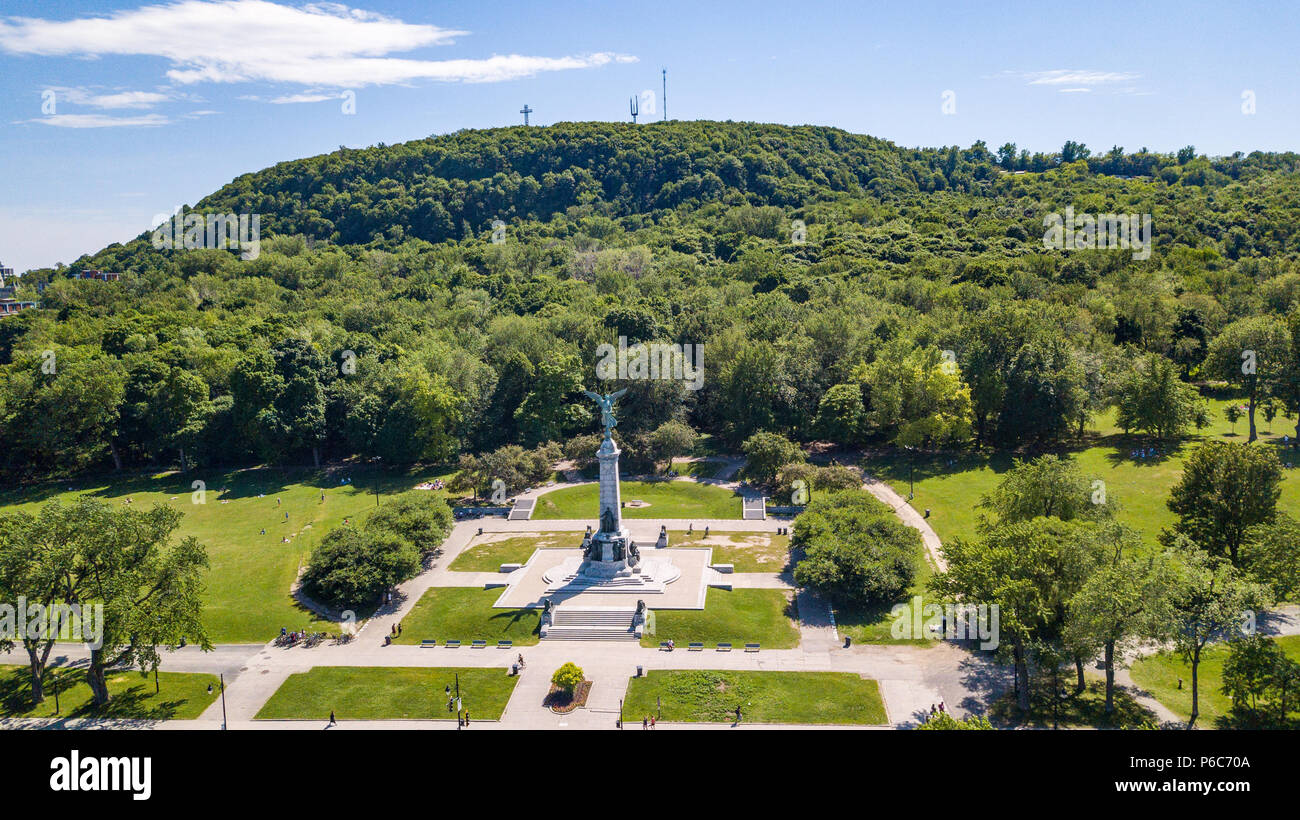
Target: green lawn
[
  {"x": 388, "y": 693},
  {"x": 247, "y": 596},
  {"x": 1085, "y": 710},
  {"x": 747, "y": 551},
  {"x": 664, "y": 499},
  {"x": 486, "y": 553},
  {"x": 465, "y": 614},
  {"x": 1140, "y": 486},
  {"x": 764, "y": 697},
  {"x": 1159, "y": 674},
  {"x": 737, "y": 617},
  {"x": 180, "y": 696}
]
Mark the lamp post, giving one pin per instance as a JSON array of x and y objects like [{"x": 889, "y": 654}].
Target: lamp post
[
  {"x": 375, "y": 461},
  {"x": 222, "y": 677}
]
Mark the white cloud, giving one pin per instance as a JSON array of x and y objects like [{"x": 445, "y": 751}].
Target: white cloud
[
  {"x": 324, "y": 44},
  {"x": 99, "y": 120},
  {"x": 1076, "y": 78},
  {"x": 111, "y": 100},
  {"x": 1074, "y": 90}
]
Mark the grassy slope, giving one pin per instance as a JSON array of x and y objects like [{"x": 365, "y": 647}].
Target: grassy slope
[
  {"x": 666, "y": 499},
  {"x": 387, "y": 693},
  {"x": 247, "y": 598},
  {"x": 1139, "y": 486},
  {"x": 764, "y": 697}
]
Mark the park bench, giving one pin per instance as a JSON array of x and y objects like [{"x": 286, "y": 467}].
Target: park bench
[
  {"x": 478, "y": 644},
  {"x": 427, "y": 642},
  {"x": 505, "y": 644},
  {"x": 452, "y": 644},
  {"x": 663, "y": 645},
  {"x": 724, "y": 647},
  {"x": 695, "y": 647},
  {"x": 751, "y": 647}
]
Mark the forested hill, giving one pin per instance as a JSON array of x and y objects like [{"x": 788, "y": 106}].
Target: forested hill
[
  {"x": 442, "y": 187},
  {"x": 824, "y": 272}
]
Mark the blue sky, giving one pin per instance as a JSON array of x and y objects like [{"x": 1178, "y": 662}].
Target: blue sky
[{"x": 159, "y": 102}]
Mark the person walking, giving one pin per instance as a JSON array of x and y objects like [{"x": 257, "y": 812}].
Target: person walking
[
  {"x": 332, "y": 722},
  {"x": 738, "y": 713},
  {"x": 652, "y": 721},
  {"x": 645, "y": 723}
]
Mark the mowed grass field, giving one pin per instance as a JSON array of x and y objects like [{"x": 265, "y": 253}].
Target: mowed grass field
[
  {"x": 486, "y": 553},
  {"x": 746, "y": 551},
  {"x": 247, "y": 597},
  {"x": 711, "y": 696},
  {"x": 737, "y": 616},
  {"x": 180, "y": 695},
  {"x": 465, "y": 614},
  {"x": 664, "y": 499},
  {"x": 952, "y": 485},
  {"x": 1159, "y": 675},
  {"x": 388, "y": 693}
]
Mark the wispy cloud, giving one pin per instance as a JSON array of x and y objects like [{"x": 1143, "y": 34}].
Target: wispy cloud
[
  {"x": 317, "y": 45},
  {"x": 1076, "y": 78},
  {"x": 100, "y": 120},
  {"x": 109, "y": 100}
]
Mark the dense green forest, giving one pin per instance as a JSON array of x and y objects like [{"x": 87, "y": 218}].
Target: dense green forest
[{"x": 833, "y": 280}]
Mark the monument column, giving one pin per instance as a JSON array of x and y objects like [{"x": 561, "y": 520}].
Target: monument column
[{"x": 610, "y": 498}]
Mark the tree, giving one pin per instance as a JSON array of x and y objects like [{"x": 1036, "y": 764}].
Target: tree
[
  {"x": 917, "y": 398},
  {"x": 1271, "y": 554},
  {"x": 351, "y": 568},
  {"x": 150, "y": 588},
  {"x": 549, "y": 412},
  {"x": 1211, "y": 601},
  {"x": 669, "y": 440},
  {"x": 419, "y": 517},
  {"x": 766, "y": 454},
  {"x": 1253, "y": 354},
  {"x": 1248, "y": 671},
  {"x": 1225, "y": 489},
  {"x": 568, "y": 677},
  {"x": 944, "y": 721},
  {"x": 1050, "y": 486},
  {"x": 854, "y": 550},
  {"x": 1151, "y": 399},
  {"x": 1129, "y": 597},
  {"x": 1030, "y": 570},
  {"x": 1232, "y": 412},
  {"x": 841, "y": 414}
]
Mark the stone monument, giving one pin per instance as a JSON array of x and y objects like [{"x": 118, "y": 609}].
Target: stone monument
[{"x": 611, "y": 560}]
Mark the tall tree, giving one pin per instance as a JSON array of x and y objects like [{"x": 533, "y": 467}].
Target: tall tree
[
  {"x": 1225, "y": 489},
  {"x": 1252, "y": 353},
  {"x": 1211, "y": 602}
]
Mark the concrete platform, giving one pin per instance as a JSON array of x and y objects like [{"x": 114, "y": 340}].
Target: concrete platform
[{"x": 528, "y": 586}]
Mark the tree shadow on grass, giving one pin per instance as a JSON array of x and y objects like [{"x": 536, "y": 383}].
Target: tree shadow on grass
[{"x": 1085, "y": 709}]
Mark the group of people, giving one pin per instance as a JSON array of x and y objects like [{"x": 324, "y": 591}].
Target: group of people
[
  {"x": 291, "y": 637},
  {"x": 939, "y": 711}
]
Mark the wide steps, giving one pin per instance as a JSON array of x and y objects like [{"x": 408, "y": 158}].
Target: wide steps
[{"x": 585, "y": 633}]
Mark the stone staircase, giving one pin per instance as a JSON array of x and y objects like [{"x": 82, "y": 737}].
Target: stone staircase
[{"x": 607, "y": 623}]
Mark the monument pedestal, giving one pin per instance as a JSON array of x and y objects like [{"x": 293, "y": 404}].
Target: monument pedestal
[{"x": 611, "y": 561}]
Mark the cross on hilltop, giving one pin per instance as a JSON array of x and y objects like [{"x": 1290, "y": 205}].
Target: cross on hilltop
[{"x": 525, "y": 111}]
